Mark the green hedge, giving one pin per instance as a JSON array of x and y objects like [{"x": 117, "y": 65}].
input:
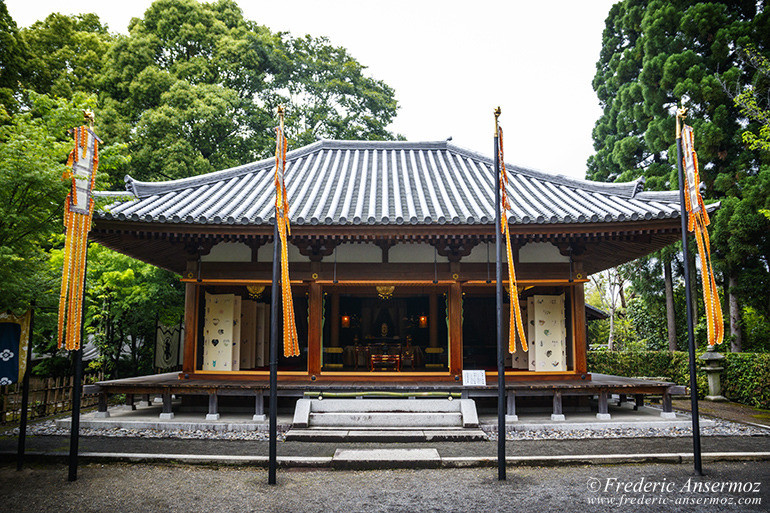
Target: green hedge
[{"x": 746, "y": 378}]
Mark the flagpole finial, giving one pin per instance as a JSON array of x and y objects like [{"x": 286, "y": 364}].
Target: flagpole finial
[
  {"x": 88, "y": 115},
  {"x": 497, "y": 115},
  {"x": 681, "y": 113}
]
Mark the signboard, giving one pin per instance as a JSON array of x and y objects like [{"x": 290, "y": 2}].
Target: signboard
[{"x": 474, "y": 378}]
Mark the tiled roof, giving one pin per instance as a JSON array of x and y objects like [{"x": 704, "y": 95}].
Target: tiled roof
[{"x": 385, "y": 183}]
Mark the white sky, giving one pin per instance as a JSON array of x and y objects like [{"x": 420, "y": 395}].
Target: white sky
[{"x": 450, "y": 63}]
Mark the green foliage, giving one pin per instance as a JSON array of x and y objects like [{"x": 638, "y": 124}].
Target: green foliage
[
  {"x": 654, "y": 54},
  {"x": 127, "y": 298},
  {"x": 756, "y": 330},
  {"x": 34, "y": 150},
  {"x": 13, "y": 56},
  {"x": 200, "y": 85},
  {"x": 66, "y": 54},
  {"x": 745, "y": 379},
  {"x": 192, "y": 89},
  {"x": 750, "y": 104}
]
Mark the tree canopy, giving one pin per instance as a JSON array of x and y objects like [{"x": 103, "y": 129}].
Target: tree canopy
[
  {"x": 657, "y": 54},
  {"x": 192, "y": 88}
]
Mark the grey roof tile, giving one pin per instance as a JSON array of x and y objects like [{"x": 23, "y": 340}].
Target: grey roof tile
[{"x": 386, "y": 182}]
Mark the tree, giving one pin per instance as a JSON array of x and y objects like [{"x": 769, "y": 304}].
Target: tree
[
  {"x": 34, "y": 151},
  {"x": 13, "y": 57},
  {"x": 128, "y": 297},
  {"x": 200, "y": 84},
  {"x": 66, "y": 53},
  {"x": 656, "y": 53}
]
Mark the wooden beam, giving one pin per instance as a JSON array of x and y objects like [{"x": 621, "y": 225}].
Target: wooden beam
[
  {"x": 579, "y": 328},
  {"x": 190, "y": 326},
  {"x": 314, "y": 329},
  {"x": 455, "y": 329}
]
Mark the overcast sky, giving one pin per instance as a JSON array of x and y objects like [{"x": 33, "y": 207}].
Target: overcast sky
[{"x": 450, "y": 63}]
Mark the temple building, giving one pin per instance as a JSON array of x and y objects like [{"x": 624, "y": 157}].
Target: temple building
[{"x": 392, "y": 261}]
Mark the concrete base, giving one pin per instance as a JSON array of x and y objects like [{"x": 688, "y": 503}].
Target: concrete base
[
  {"x": 716, "y": 398},
  {"x": 143, "y": 403},
  {"x": 259, "y": 418},
  {"x": 212, "y": 416},
  {"x": 385, "y": 435},
  {"x": 392, "y": 458},
  {"x": 557, "y": 417},
  {"x": 603, "y": 416},
  {"x": 668, "y": 415},
  {"x": 102, "y": 415},
  {"x": 166, "y": 416},
  {"x": 510, "y": 419}
]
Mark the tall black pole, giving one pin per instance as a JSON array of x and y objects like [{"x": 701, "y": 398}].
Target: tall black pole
[
  {"x": 696, "y": 452},
  {"x": 499, "y": 304},
  {"x": 274, "y": 304},
  {"x": 25, "y": 393},
  {"x": 77, "y": 386}
]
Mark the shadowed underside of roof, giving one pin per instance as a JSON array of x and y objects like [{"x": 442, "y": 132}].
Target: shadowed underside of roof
[{"x": 385, "y": 183}]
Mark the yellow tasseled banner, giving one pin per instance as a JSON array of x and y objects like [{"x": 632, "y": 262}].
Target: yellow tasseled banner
[
  {"x": 75, "y": 249},
  {"x": 290, "y": 339},
  {"x": 516, "y": 324},
  {"x": 698, "y": 220}
]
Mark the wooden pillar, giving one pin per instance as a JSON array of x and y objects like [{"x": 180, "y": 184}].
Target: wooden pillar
[
  {"x": 579, "y": 328},
  {"x": 433, "y": 320},
  {"x": 510, "y": 399},
  {"x": 167, "y": 413},
  {"x": 667, "y": 402},
  {"x": 190, "y": 326},
  {"x": 130, "y": 401},
  {"x": 455, "y": 329},
  {"x": 213, "y": 406},
  {"x": 314, "y": 329},
  {"x": 603, "y": 413},
  {"x": 638, "y": 401},
  {"x": 259, "y": 405},
  {"x": 558, "y": 414},
  {"x": 335, "y": 321},
  {"x": 102, "y": 406}
]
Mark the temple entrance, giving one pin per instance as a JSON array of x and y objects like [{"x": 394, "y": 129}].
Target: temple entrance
[{"x": 382, "y": 329}]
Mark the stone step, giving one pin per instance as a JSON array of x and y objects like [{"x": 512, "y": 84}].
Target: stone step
[
  {"x": 386, "y": 419},
  {"x": 385, "y": 435},
  {"x": 385, "y": 405}
]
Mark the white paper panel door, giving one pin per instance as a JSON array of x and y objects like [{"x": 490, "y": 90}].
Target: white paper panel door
[
  {"x": 550, "y": 333},
  {"x": 218, "y": 332}
]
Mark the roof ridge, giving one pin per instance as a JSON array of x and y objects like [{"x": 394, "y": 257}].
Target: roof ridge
[
  {"x": 626, "y": 189},
  {"x": 142, "y": 189}
]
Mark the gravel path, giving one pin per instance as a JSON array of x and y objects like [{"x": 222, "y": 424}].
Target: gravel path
[
  {"x": 185, "y": 489},
  {"x": 721, "y": 428}
]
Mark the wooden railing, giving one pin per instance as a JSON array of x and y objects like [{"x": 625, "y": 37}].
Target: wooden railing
[{"x": 47, "y": 396}]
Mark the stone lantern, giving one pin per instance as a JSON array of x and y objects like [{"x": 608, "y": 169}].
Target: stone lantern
[{"x": 712, "y": 361}]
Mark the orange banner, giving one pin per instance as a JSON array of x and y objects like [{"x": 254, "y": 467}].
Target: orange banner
[
  {"x": 290, "y": 340},
  {"x": 78, "y": 210},
  {"x": 698, "y": 220},
  {"x": 515, "y": 325}
]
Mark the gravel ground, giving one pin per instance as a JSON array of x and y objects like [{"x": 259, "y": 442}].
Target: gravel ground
[
  {"x": 48, "y": 428},
  {"x": 119, "y": 488},
  {"x": 721, "y": 428}
]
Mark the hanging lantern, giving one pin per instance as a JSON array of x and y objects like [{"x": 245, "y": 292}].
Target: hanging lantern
[
  {"x": 385, "y": 291},
  {"x": 345, "y": 321},
  {"x": 255, "y": 291}
]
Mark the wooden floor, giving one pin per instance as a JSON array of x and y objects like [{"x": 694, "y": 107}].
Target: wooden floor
[{"x": 170, "y": 383}]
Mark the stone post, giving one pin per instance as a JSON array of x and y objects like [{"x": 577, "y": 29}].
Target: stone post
[{"x": 713, "y": 370}]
